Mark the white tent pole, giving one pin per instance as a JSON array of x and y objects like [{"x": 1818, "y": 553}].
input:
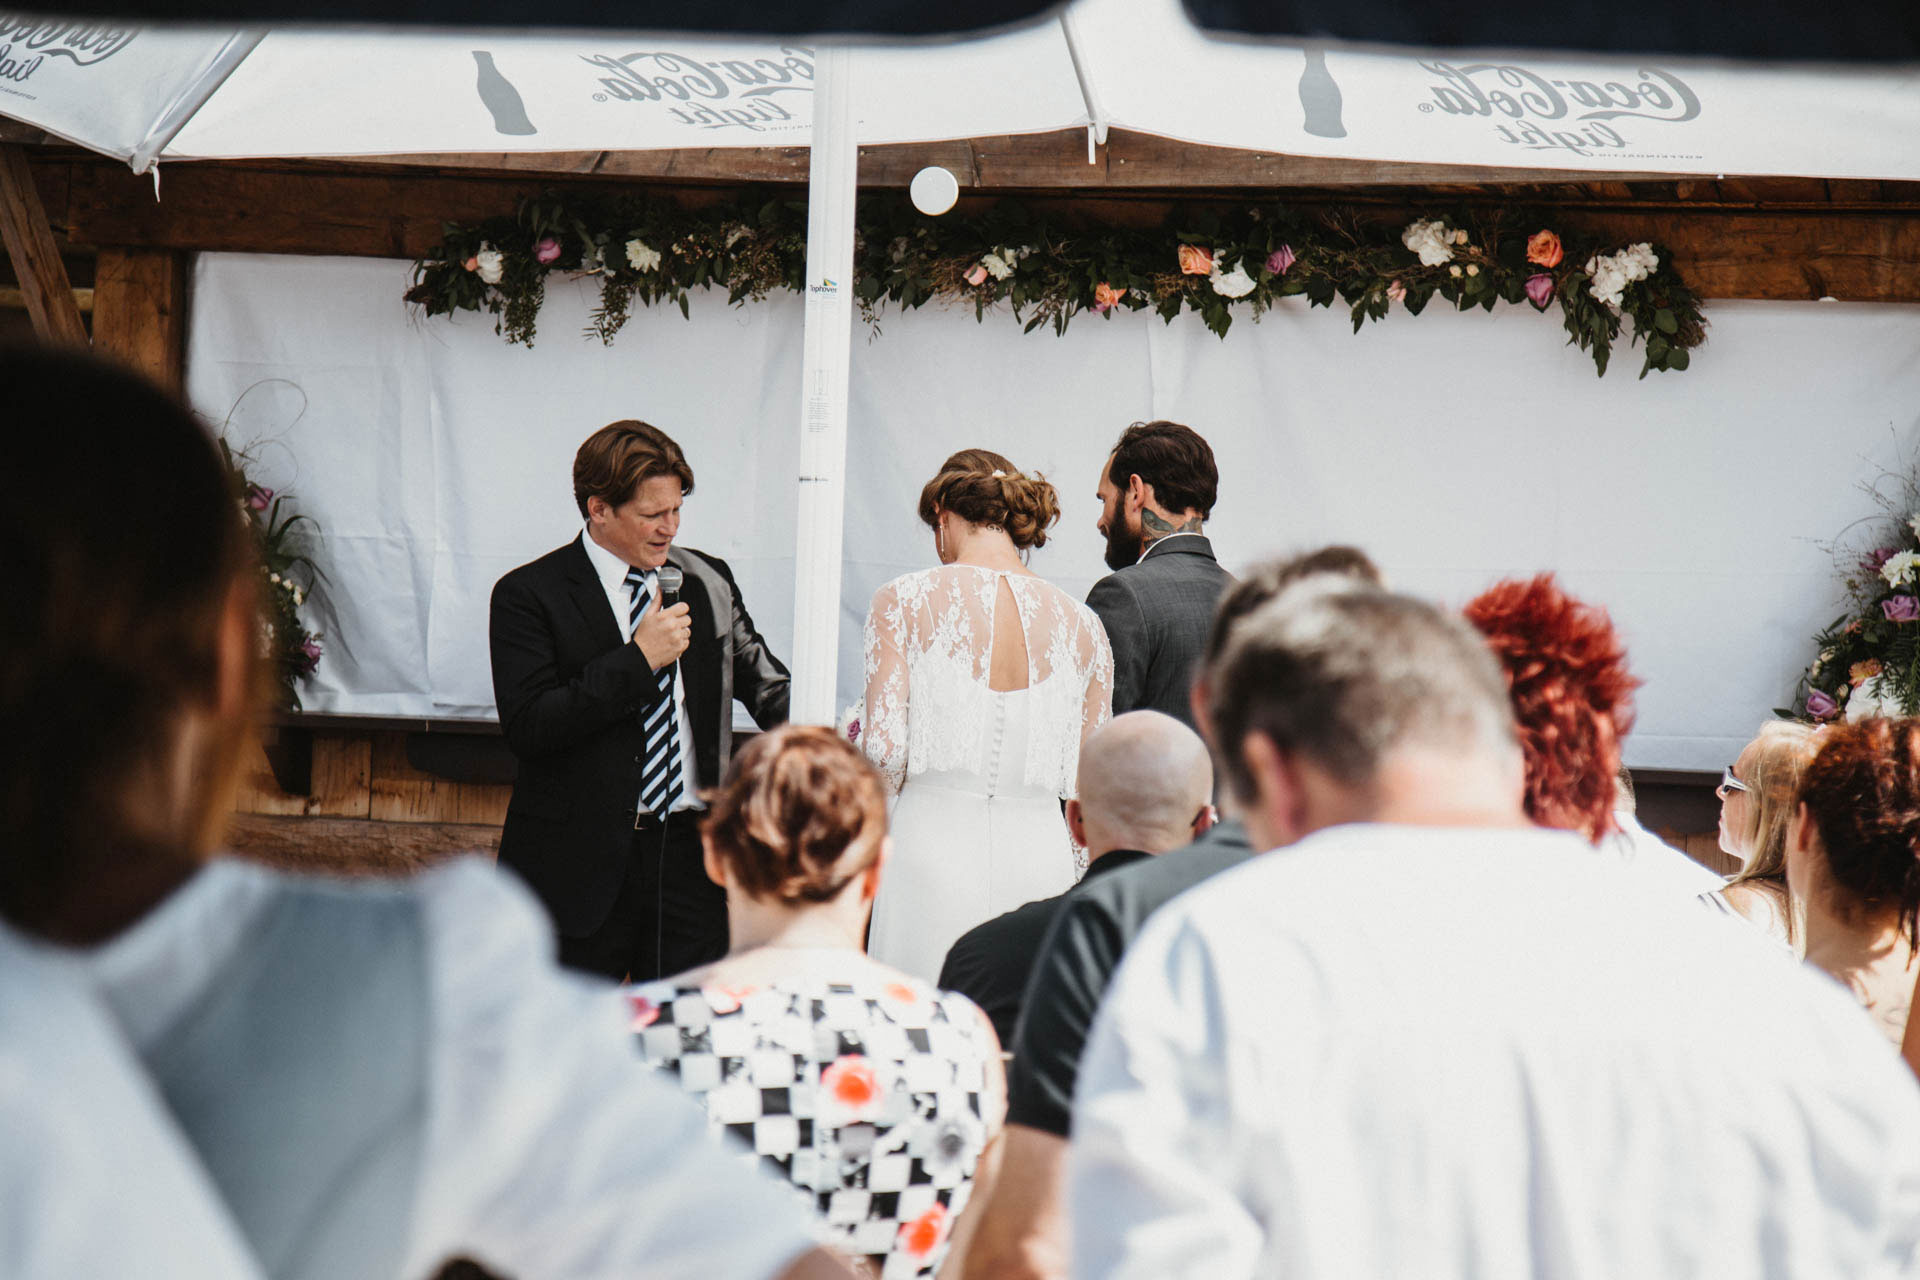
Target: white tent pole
[
  {"x": 1096, "y": 114},
  {"x": 191, "y": 98},
  {"x": 826, "y": 354}
]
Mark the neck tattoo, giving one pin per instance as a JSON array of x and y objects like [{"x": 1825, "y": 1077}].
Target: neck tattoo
[{"x": 1155, "y": 526}]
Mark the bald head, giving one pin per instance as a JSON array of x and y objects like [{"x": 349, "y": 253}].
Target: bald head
[{"x": 1144, "y": 777}]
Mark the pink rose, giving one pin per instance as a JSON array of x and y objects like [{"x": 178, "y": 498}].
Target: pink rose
[
  {"x": 1106, "y": 297},
  {"x": 1195, "y": 261},
  {"x": 471, "y": 264},
  {"x": 1820, "y": 706},
  {"x": 1396, "y": 292},
  {"x": 1280, "y": 259},
  {"x": 1540, "y": 289},
  {"x": 976, "y": 275},
  {"x": 259, "y": 498},
  {"x": 546, "y": 250}
]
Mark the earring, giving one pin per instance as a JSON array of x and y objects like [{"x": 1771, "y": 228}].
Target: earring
[{"x": 940, "y": 541}]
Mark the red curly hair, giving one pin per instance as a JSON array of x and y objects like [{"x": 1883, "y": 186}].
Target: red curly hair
[{"x": 1572, "y": 697}]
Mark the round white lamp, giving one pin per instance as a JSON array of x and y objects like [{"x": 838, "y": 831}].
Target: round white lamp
[{"x": 934, "y": 190}]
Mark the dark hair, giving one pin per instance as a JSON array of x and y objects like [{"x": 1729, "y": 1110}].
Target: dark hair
[
  {"x": 1863, "y": 792},
  {"x": 1572, "y": 697},
  {"x": 617, "y": 459},
  {"x": 112, "y": 625},
  {"x": 981, "y": 487},
  {"x": 1268, "y": 579},
  {"x": 1343, "y": 675},
  {"x": 1173, "y": 461},
  {"x": 800, "y": 814}
]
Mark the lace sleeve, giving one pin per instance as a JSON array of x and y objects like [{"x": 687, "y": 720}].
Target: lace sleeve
[
  {"x": 883, "y": 720},
  {"x": 1097, "y": 707}
]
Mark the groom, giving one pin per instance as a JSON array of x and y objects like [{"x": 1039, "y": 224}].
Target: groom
[{"x": 618, "y": 704}]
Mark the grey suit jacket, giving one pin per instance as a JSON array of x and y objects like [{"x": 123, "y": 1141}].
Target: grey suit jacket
[{"x": 1156, "y": 613}]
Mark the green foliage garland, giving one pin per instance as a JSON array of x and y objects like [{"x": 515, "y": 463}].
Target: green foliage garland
[{"x": 1215, "y": 260}]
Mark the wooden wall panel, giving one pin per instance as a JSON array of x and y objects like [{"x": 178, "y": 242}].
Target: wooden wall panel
[
  {"x": 140, "y": 311},
  {"x": 402, "y": 793}
]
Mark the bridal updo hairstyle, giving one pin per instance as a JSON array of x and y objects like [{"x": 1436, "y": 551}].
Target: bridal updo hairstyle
[
  {"x": 1862, "y": 791},
  {"x": 800, "y": 815},
  {"x": 1572, "y": 697},
  {"x": 983, "y": 488}
]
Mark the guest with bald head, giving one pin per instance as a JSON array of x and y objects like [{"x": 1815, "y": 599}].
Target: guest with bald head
[{"x": 1145, "y": 785}]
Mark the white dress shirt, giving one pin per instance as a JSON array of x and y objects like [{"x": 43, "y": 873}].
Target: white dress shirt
[
  {"x": 1450, "y": 1053},
  {"x": 551, "y": 1149},
  {"x": 612, "y": 572},
  {"x": 95, "y": 1178}
]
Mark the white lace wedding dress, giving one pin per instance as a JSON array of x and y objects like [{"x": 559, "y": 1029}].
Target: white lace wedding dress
[{"x": 979, "y": 774}]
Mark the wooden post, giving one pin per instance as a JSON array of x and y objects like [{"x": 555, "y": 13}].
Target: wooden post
[
  {"x": 36, "y": 259},
  {"x": 140, "y": 311}
]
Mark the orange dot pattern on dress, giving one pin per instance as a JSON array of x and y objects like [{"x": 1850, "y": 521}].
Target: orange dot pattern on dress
[{"x": 866, "y": 1096}]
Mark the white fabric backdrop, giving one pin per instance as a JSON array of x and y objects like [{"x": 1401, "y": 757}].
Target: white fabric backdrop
[{"x": 1455, "y": 448}]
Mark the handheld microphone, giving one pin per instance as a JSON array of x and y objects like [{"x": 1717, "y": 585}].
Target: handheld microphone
[{"x": 670, "y": 578}]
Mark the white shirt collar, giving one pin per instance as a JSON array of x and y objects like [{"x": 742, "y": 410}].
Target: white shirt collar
[{"x": 608, "y": 567}]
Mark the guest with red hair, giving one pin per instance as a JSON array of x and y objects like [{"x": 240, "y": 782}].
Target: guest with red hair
[{"x": 1851, "y": 862}]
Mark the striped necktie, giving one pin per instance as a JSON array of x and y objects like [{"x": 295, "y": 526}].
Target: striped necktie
[{"x": 661, "y": 781}]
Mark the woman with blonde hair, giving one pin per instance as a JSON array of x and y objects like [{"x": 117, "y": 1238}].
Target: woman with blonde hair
[
  {"x": 982, "y": 682},
  {"x": 1757, "y": 797},
  {"x": 878, "y": 1097}
]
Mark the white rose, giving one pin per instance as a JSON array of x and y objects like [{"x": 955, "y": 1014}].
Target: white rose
[
  {"x": 299, "y": 596},
  {"x": 1230, "y": 284},
  {"x": 1872, "y": 698},
  {"x": 1429, "y": 240},
  {"x": 489, "y": 262},
  {"x": 1472, "y": 270},
  {"x": 641, "y": 256},
  {"x": 997, "y": 267},
  {"x": 1453, "y": 271},
  {"x": 1459, "y": 237}
]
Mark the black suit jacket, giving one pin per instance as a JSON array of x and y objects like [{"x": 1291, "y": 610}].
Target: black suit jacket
[
  {"x": 572, "y": 695},
  {"x": 1156, "y": 613}
]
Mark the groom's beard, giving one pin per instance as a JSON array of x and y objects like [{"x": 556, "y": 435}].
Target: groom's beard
[{"x": 1124, "y": 546}]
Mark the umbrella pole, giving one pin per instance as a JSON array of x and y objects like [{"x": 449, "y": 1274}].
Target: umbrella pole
[{"x": 826, "y": 353}]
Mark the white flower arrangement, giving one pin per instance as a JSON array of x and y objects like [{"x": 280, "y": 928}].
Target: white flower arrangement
[
  {"x": 489, "y": 263},
  {"x": 1230, "y": 284},
  {"x": 1431, "y": 241},
  {"x": 1899, "y": 567},
  {"x": 1611, "y": 273},
  {"x": 641, "y": 256},
  {"x": 1914, "y": 524},
  {"x": 998, "y": 267}
]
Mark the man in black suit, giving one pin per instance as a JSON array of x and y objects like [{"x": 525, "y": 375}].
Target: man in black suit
[
  {"x": 619, "y": 710},
  {"x": 1156, "y": 492},
  {"x": 1145, "y": 786}
]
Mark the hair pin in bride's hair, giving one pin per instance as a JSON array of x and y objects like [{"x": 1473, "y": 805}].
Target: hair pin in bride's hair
[{"x": 999, "y": 475}]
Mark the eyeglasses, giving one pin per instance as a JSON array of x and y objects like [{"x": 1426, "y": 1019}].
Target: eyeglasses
[{"x": 1730, "y": 783}]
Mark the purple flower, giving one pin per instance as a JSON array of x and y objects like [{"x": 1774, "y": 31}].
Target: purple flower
[
  {"x": 1820, "y": 706},
  {"x": 1872, "y": 561},
  {"x": 1280, "y": 259},
  {"x": 1540, "y": 289},
  {"x": 258, "y": 497},
  {"x": 546, "y": 250},
  {"x": 1901, "y": 608},
  {"x": 853, "y": 730}
]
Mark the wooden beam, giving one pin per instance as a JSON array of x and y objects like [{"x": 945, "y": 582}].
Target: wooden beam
[
  {"x": 140, "y": 311},
  {"x": 36, "y": 259},
  {"x": 13, "y": 299},
  {"x": 356, "y": 846}
]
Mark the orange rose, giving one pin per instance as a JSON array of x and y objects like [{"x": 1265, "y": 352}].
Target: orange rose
[
  {"x": 1105, "y": 296},
  {"x": 1195, "y": 261},
  {"x": 923, "y": 1235},
  {"x": 976, "y": 275},
  {"x": 1867, "y": 670},
  {"x": 1543, "y": 248}
]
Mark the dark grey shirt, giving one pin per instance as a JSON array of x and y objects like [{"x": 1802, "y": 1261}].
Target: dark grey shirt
[
  {"x": 1156, "y": 613},
  {"x": 1095, "y": 925}
]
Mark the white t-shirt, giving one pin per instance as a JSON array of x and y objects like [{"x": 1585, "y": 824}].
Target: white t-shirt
[
  {"x": 551, "y": 1148},
  {"x": 1394, "y": 1051},
  {"x": 95, "y": 1178}
]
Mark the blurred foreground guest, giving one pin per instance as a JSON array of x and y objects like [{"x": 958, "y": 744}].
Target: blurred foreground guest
[
  {"x": 1024, "y": 1233},
  {"x": 1145, "y": 786},
  {"x": 1853, "y": 858},
  {"x": 95, "y": 1179},
  {"x": 1758, "y": 793},
  {"x": 877, "y": 1096},
  {"x": 1638, "y": 847},
  {"x": 1572, "y": 695},
  {"x": 1431, "y": 1039},
  {"x": 376, "y": 1077}
]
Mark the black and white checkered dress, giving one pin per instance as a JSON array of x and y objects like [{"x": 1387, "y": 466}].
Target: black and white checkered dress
[{"x": 866, "y": 1095}]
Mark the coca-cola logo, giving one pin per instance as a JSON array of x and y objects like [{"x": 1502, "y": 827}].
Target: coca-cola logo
[
  {"x": 731, "y": 93},
  {"x": 1536, "y": 112},
  {"x": 27, "y": 42}
]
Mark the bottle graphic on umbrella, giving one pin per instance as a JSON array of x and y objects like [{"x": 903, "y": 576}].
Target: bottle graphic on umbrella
[
  {"x": 1320, "y": 97},
  {"x": 501, "y": 98}
]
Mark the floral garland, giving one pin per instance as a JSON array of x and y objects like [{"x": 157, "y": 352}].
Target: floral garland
[
  {"x": 1218, "y": 262},
  {"x": 291, "y": 649},
  {"x": 1868, "y": 660}
]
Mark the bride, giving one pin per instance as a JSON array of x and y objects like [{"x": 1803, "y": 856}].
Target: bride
[{"x": 982, "y": 681}]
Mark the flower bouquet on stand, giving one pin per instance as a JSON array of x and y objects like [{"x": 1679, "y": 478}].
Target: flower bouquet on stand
[
  {"x": 1868, "y": 662},
  {"x": 287, "y": 574}
]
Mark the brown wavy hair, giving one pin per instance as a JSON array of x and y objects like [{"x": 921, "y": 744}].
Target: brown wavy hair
[
  {"x": 1572, "y": 697},
  {"x": 1025, "y": 506},
  {"x": 800, "y": 815},
  {"x": 613, "y": 462},
  {"x": 1862, "y": 791}
]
